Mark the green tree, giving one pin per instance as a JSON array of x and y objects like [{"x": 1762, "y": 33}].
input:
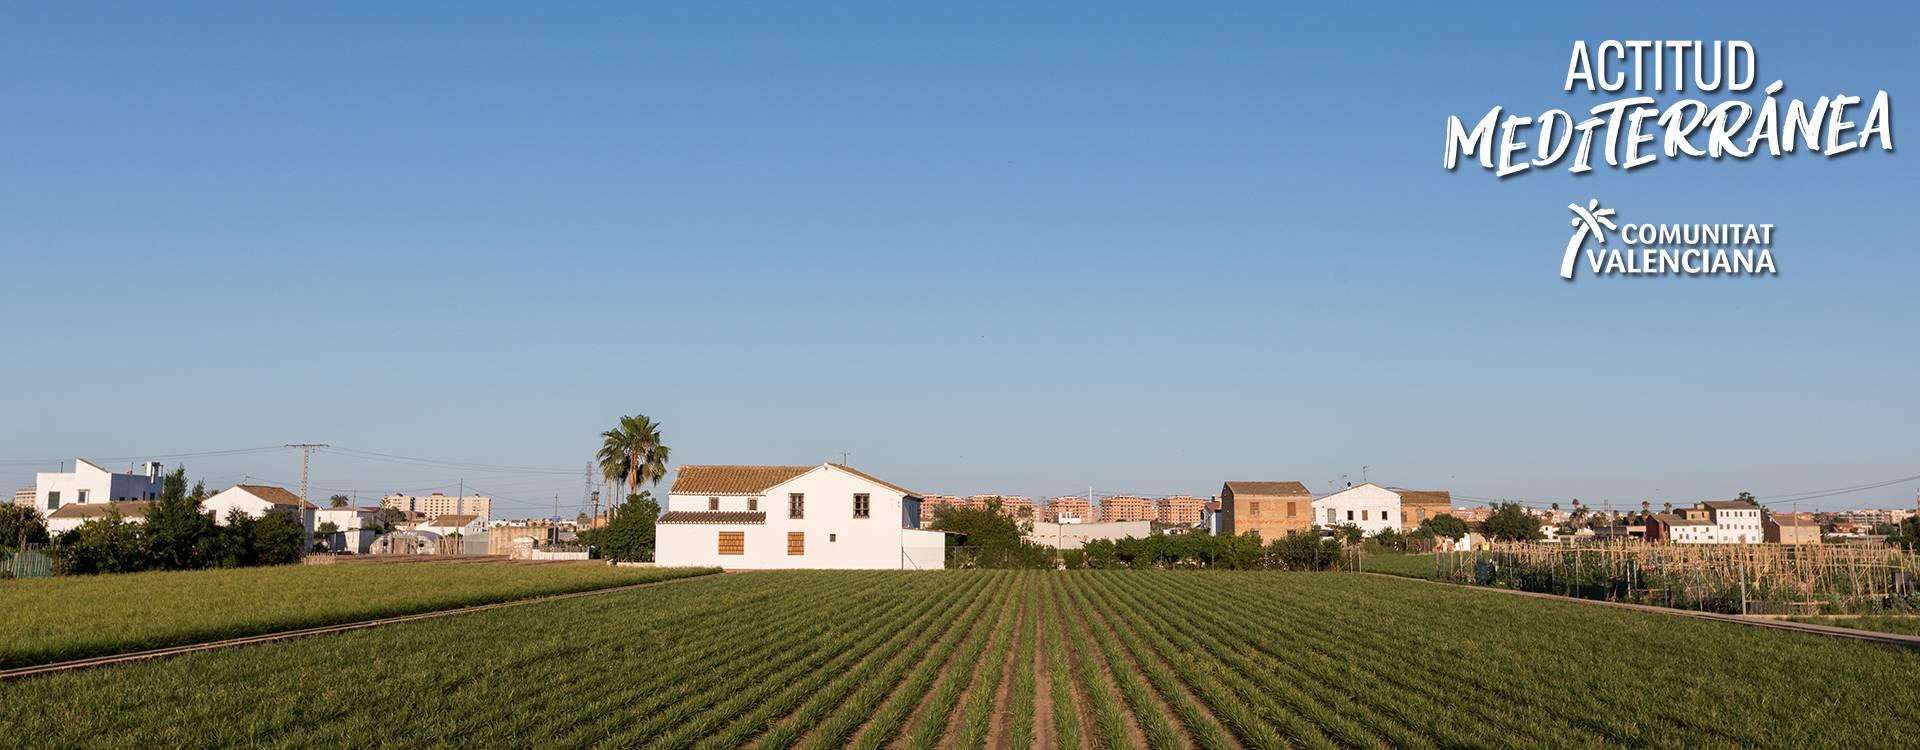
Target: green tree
[
  {"x": 103, "y": 545},
  {"x": 1510, "y": 522},
  {"x": 1304, "y": 550},
  {"x": 632, "y": 453},
  {"x": 339, "y": 501},
  {"x": 1447, "y": 525},
  {"x": 277, "y": 540},
  {"x": 175, "y": 526},
  {"x": 19, "y": 523},
  {"x": 1907, "y": 534},
  {"x": 630, "y": 535},
  {"x": 1000, "y": 542}
]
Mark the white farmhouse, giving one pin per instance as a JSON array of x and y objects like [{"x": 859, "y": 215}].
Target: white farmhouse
[
  {"x": 826, "y": 516},
  {"x": 88, "y": 483},
  {"x": 1369, "y": 506},
  {"x": 352, "y": 528},
  {"x": 468, "y": 526},
  {"x": 258, "y": 500}
]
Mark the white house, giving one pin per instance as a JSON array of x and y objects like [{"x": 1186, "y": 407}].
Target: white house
[
  {"x": 69, "y": 517},
  {"x": 468, "y": 526},
  {"x": 258, "y": 500},
  {"x": 1368, "y": 506},
  {"x": 88, "y": 483},
  {"x": 826, "y": 516},
  {"x": 352, "y": 530}
]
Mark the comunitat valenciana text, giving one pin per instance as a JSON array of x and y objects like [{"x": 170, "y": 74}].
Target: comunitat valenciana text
[{"x": 1635, "y": 131}]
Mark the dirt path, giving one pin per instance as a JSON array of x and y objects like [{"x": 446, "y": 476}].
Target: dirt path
[
  {"x": 1079, "y": 692},
  {"x": 1002, "y": 701},
  {"x": 1043, "y": 726},
  {"x": 1136, "y": 737},
  {"x": 1164, "y": 702},
  {"x": 920, "y": 704}
]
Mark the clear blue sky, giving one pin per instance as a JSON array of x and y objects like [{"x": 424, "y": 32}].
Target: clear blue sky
[{"x": 1142, "y": 248}]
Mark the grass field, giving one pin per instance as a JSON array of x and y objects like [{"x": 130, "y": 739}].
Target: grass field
[
  {"x": 1411, "y": 566},
  {"x": 1902, "y": 624},
  {"x": 971, "y": 659},
  {"x": 55, "y": 619}
]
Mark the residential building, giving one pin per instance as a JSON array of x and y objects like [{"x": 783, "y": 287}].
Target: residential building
[
  {"x": 1369, "y": 506},
  {"x": 1678, "y": 529},
  {"x": 89, "y": 483},
  {"x": 825, "y": 516},
  {"x": 1068, "y": 509},
  {"x": 1180, "y": 510},
  {"x": 352, "y": 528},
  {"x": 1017, "y": 507},
  {"x": 1785, "y": 528},
  {"x": 24, "y": 496},
  {"x": 436, "y": 504},
  {"x": 1121, "y": 508},
  {"x": 1416, "y": 506},
  {"x": 1710, "y": 522},
  {"x": 258, "y": 500},
  {"x": 1076, "y": 535},
  {"x": 467, "y": 526},
  {"x": 933, "y": 503},
  {"x": 69, "y": 517},
  {"x": 1270, "y": 509},
  {"x": 1213, "y": 517}
]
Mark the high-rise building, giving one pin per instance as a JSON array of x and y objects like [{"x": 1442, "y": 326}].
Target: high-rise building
[
  {"x": 1127, "y": 508},
  {"x": 1072, "y": 507},
  {"x": 1181, "y": 510},
  {"x": 437, "y": 504}
]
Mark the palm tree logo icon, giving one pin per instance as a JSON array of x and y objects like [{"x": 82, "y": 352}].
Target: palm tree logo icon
[{"x": 1586, "y": 221}]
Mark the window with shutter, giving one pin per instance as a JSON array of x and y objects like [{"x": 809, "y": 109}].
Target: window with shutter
[
  {"x": 733, "y": 542},
  {"x": 796, "y": 542}
]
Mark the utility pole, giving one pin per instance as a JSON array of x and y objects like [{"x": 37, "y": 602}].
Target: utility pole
[
  {"x": 843, "y": 457},
  {"x": 460, "y": 497},
  {"x": 306, "y": 455}
]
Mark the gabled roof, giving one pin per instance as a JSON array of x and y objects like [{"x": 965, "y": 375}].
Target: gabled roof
[
  {"x": 1426, "y": 497},
  {"x": 732, "y": 517},
  {"x": 875, "y": 480},
  {"x": 1672, "y": 519},
  {"x": 1730, "y": 504},
  {"x": 128, "y": 508},
  {"x": 755, "y": 480},
  {"x": 1267, "y": 488},
  {"x": 732, "y": 480},
  {"x": 274, "y": 495},
  {"x": 450, "y": 519}
]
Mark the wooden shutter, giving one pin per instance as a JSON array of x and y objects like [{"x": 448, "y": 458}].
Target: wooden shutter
[
  {"x": 733, "y": 542},
  {"x": 796, "y": 542}
]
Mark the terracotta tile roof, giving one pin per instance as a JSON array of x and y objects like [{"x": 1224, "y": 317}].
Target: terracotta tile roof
[
  {"x": 876, "y": 480},
  {"x": 1268, "y": 488},
  {"x": 1426, "y": 497},
  {"x": 754, "y": 480},
  {"x": 1671, "y": 519},
  {"x": 714, "y": 516},
  {"x": 732, "y": 480},
  {"x": 452, "y": 520},
  {"x": 1730, "y": 505},
  {"x": 275, "y": 495},
  {"x": 128, "y": 508}
]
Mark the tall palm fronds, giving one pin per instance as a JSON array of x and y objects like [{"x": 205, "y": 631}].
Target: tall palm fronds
[{"x": 632, "y": 454}]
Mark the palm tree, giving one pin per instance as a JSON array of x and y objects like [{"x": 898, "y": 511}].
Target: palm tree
[{"x": 632, "y": 454}]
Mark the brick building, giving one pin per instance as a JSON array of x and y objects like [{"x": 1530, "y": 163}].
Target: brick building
[
  {"x": 1127, "y": 508},
  {"x": 1270, "y": 509},
  {"x": 1181, "y": 510},
  {"x": 1068, "y": 506}
]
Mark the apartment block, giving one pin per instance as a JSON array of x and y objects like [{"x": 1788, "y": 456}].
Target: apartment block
[{"x": 1181, "y": 510}]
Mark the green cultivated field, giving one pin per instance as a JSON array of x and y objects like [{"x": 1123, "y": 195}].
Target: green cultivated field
[
  {"x": 970, "y": 659},
  {"x": 55, "y": 619},
  {"x": 1411, "y": 566}
]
